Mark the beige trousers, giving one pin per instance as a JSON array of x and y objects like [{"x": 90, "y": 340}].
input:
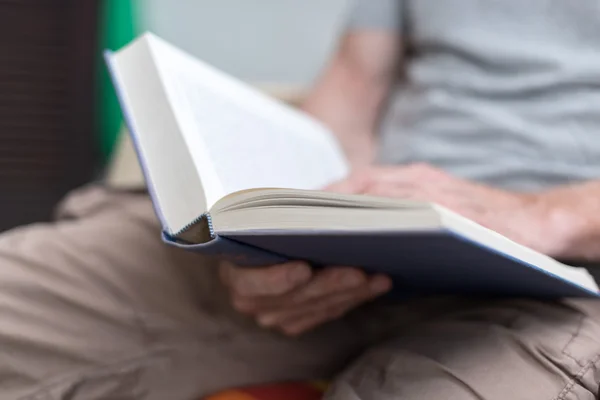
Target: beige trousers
[{"x": 94, "y": 306}]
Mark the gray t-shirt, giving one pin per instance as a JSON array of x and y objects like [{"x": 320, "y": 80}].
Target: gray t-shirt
[{"x": 505, "y": 92}]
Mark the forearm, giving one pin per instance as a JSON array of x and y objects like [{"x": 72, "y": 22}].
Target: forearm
[
  {"x": 573, "y": 217},
  {"x": 348, "y": 98},
  {"x": 349, "y": 107}
]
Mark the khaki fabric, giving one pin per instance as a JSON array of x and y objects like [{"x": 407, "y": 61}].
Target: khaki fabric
[
  {"x": 517, "y": 350},
  {"x": 94, "y": 306}
]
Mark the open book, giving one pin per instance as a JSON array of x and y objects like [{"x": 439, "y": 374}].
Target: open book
[{"x": 237, "y": 174}]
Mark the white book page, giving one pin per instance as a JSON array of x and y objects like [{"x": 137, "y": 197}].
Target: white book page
[
  {"x": 172, "y": 178},
  {"x": 239, "y": 138},
  {"x": 496, "y": 241}
]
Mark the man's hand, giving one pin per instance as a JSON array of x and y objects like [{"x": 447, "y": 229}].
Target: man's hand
[
  {"x": 562, "y": 223},
  {"x": 293, "y": 298},
  {"x": 535, "y": 220}
]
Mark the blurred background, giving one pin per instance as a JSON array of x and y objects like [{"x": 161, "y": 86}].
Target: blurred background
[{"x": 59, "y": 121}]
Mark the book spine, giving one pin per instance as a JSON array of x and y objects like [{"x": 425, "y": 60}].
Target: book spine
[{"x": 230, "y": 250}]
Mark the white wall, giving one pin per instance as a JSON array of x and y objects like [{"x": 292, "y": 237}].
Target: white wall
[{"x": 262, "y": 41}]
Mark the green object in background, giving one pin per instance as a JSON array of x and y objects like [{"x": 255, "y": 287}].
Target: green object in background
[{"x": 118, "y": 26}]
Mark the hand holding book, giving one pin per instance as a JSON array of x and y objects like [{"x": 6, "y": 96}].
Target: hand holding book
[
  {"x": 294, "y": 298},
  {"x": 526, "y": 218}
]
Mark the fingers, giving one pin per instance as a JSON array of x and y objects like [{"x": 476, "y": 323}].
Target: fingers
[
  {"x": 397, "y": 191},
  {"x": 293, "y": 299},
  {"x": 355, "y": 184},
  {"x": 312, "y": 320},
  {"x": 328, "y": 295},
  {"x": 419, "y": 173},
  {"x": 415, "y": 174},
  {"x": 330, "y": 280},
  {"x": 324, "y": 283},
  {"x": 330, "y": 307},
  {"x": 267, "y": 281}
]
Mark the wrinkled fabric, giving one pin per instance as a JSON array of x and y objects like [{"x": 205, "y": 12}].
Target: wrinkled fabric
[{"x": 95, "y": 306}]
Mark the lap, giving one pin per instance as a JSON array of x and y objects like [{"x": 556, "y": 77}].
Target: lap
[
  {"x": 95, "y": 306},
  {"x": 498, "y": 350}
]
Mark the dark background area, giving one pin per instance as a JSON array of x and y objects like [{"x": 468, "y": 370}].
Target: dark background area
[{"x": 47, "y": 138}]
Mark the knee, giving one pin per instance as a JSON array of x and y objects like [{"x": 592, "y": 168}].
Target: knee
[
  {"x": 543, "y": 350},
  {"x": 389, "y": 372}
]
